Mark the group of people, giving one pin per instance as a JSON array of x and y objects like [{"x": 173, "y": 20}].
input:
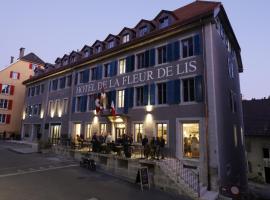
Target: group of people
[{"x": 154, "y": 148}]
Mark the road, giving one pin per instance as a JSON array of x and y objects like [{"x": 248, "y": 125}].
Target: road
[{"x": 50, "y": 177}]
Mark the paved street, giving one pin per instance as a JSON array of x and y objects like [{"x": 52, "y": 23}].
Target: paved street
[{"x": 47, "y": 177}]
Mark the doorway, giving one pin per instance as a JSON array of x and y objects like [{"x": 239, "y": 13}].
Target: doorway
[
  {"x": 120, "y": 129},
  {"x": 55, "y": 132},
  {"x": 267, "y": 174}
]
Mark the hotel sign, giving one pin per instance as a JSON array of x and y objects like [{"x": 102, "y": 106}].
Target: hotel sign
[{"x": 147, "y": 75}]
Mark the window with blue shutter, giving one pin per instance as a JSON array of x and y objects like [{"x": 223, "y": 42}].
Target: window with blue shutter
[
  {"x": 128, "y": 99},
  {"x": 197, "y": 45},
  {"x": 131, "y": 97},
  {"x": 145, "y": 95},
  {"x": 83, "y": 103},
  {"x": 152, "y": 94},
  {"x": 86, "y": 76},
  {"x": 147, "y": 56},
  {"x": 76, "y": 79},
  {"x": 176, "y": 51},
  {"x": 173, "y": 91},
  {"x": 62, "y": 82},
  {"x": 73, "y": 104},
  {"x": 114, "y": 68},
  {"x": 170, "y": 52},
  {"x": 130, "y": 63},
  {"x": 152, "y": 57},
  {"x": 199, "y": 88},
  {"x": 113, "y": 97}
]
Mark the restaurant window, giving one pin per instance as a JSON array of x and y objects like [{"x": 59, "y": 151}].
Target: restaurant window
[
  {"x": 191, "y": 140},
  {"x": 162, "y": 130},
  {"x": 189, "y": 89},
  {"x": 120, "y": 95},
  {"x": 162, "y": 94},
  {"x": 188, "y": 49},
  {"x": 140, "y": 60},
  {"x": 3, "y": 103},
  {"x": 162, "y": 55},
  {"x": 103, "y": 128},
  {"x": 266, "y": 153},
  {"x": 139, "y": 96},
  {"x": 122, "y": 66},
  {"x": 143, "y": 30},
  {"x": 138, "y": 132},
  {"x": 164, "y": 22},
  {"x": 106, "y": 70},
  {"x": 88, "y": 132},
  {"x": 5, "y": 89},
  {"x": 126, "y": 38}
]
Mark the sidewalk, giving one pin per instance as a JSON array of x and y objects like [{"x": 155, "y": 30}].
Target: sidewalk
[{"x": 23, "y": 147}]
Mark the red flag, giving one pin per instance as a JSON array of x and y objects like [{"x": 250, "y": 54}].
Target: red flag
[
  {"x": 112, "y": 109},
  {"x": 97, "y": 102}
]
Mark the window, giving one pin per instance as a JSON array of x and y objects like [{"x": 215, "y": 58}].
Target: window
[
  {"x": 88, "y": 132},
  {"x": 162, "y": 55},
  {"x": 103, "y": 129},
  {"x": 94, "y": 72},
  {"x": 139, "y": 96},
  {"x": 5, "y": 89},
  {"x": 69, "y": 80},
  {"x": 37, "y": 89},
  {"x": 233, "y": 105},
  {"x": 140, "y": 60},
  {"x": 111, "y": 44},
  {"x": 120, "y": 95},
  {"x": 66, "y": 61},
  {"x": 62, "y": 82},
  {"x": 86, "y": 53},
  {"x": 106, "y": 70},
  {"x": 78, "y": 104},
  {"x": 161, "y": 87},
  {"x": 91, "y": 102},
  {"x": 84, "y": 76},
  {"x": 126, "y": 38},
  {"x": 65, "y": 106},
  {"x": 55, "y": 84},
  {"x": 235, "y": 136},
  {"x": 266, "y": 153},
  {"x": 42, "y": 88},
  {"x": 15, "y": 75},
  {"x": 57, "y": 107},
  {"x": 77, "y": 129},
  {"x": 162, "y": 131},
  {"x": 39, "y": 109},
  {"x": 4, "y": 103},
  {"x": 187, "y": 45},
  {"x": 191, "y": 140},
  {"x": 164, "y": 22},
  {"x": 50, "y": 108},
  {"x": 2, "y": 118},
  {"x": 189, "y": 89},
  {"x": 138, "y": 132},
  {"x": 142, "y": 31},
  {"x": 98, "y": 49},
  {"x": 35, "y": 112},
  {"x": 33, "y": 91},
  {"x": 122, "y": 66}
]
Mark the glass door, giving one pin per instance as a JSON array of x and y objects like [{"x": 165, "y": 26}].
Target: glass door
[
  {"x": 55, "y": 132},
  {"x": 120, "y": 129}
]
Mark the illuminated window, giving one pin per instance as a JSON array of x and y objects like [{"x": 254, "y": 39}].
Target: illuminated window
[
  {"x": 88, "y": 133},
  {"x": 162, "y": 130},
  {"x": 126, "y": 38},
  {"x": 77, "y": 129},
  {"x": 120, "y": 95},
  {"x": 191, "y": 140},
  {"x": 138, "y": 132},
  {"x": 103, "y": 128},
  {"x": 122, "y": 66},
  {"x": 50, "y": 107}
]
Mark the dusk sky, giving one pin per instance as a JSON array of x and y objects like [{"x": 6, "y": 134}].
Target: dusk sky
[{"x": 52, "y": 28}]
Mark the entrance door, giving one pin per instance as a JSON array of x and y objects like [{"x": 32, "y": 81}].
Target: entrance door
[
  {"x": 267, "y": 174},
  {"x": 120, "y": 129},
  {"x": 55, "y": 132}
]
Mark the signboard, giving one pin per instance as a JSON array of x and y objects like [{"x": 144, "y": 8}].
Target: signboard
[
  {"x": 148, "y": 75},
  {"x": 143, "y": 177}
]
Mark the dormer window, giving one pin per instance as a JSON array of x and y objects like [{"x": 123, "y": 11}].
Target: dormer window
[
  {"x": 98, "y": 49},
  {"x": 86, "y": 53},
  {"x": 73, "y": 59},
  {"x": 65, "y": 61},
  {"x": 143, "y": 30},
  {"x": 126, "y": 38},
  {"x": 111, "y": 44},
  {"x": 164, "y": 22}
]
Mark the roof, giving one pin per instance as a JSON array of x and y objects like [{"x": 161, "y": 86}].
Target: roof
[
  {"x": 256, "y": 115},
  {"x": 31, "y": 57},
  {"x": 186, "y": 15}
]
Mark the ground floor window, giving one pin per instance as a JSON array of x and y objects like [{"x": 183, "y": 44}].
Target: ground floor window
[
  {"x": 162, "y": 129},
  {"x": 77, "y": 129},
  {"x": 88, "y": 131},
  {"x": 55, "y": 132},
  {"x": 120, "y": 130},
  {"x": 138, "y": 132},
  {"x": 191, "y": 140},
  {"x": 103, "y": 129}
]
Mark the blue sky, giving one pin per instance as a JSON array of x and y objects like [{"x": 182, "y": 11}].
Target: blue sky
[{"x": 52, "y": 28}]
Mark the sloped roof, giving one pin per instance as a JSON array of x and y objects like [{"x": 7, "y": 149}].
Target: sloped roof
[
  {"x": 31, "y": 57},
  {"x": 256, "y": 115}
]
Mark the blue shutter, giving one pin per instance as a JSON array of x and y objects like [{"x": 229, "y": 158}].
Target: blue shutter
[
  {"x": 131, "y": 97},
  {"x": 176, "y": 51},
  {"x": 152, "y": 93},
  {"x": 146, "y": 57},
  {"x": 145, "y": 95},
  {"x": 169, "y": 92},
  {"x": 109, "y": 95},
  {"x": 173, "y": 91},
  {"x": 177, "y": 93},
  {"x": 73, "y": 104},
  {"x": 199, "y": 88},
  {"x": 86, "y": 76},
  {"x": 152, "y": 57},
  {"x": 99, "y": 72},
  {"x": 130, "y": 63},
  {"x": 83, "y": 103},
  {"x": 169, "y": 52},
  {"x": 76, "y": 78},
  {"x": 197, "y": 44},
  {"x": 126, "y": 100},
  {"x": 114, "y": 64}
]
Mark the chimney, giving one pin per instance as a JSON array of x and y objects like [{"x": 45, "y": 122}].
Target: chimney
[
  {"x": 11, "y": 59},
  {"x": 21, "y": 52}
]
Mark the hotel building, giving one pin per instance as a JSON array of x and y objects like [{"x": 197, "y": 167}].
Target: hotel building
[{"x": 176, "y": 77}]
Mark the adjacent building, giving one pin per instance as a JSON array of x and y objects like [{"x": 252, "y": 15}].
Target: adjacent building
[
  {"x": 257, "y": 134},
  {"x": 176, "y": 77},
  {"x": 12, "y": 90}
]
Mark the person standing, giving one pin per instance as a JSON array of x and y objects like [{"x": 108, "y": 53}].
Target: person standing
[{"x": 145, "y": 146}]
